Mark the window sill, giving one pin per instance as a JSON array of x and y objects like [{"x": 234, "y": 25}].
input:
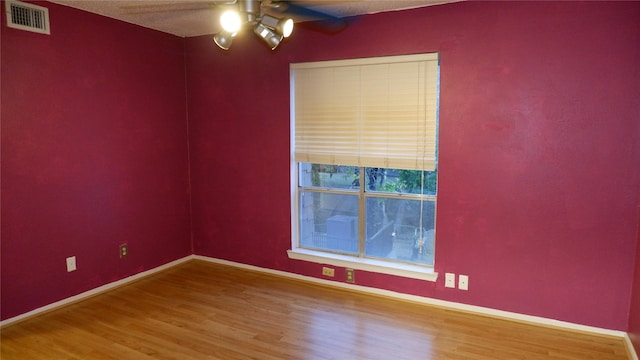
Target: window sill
[{"x": 377, "y": 266}]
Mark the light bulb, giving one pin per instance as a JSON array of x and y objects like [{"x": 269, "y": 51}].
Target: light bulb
[
  {"x": 230, "y": 21},
  {"x": 287, "y": 27}
]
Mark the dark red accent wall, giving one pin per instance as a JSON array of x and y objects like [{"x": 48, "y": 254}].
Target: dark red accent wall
[
  {"x": 94, "y": 154},
  {"x": 539, "y": 150}
]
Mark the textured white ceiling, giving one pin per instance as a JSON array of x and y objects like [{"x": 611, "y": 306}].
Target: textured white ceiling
[{"x": 200, "y": 17}]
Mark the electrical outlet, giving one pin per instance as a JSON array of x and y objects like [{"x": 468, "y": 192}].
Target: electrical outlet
[
  {"x": 463, "y": 282},
  {"x": 350, "y": 275},
  {"x": 71, "y": 264},
  {"x": 328, "y": 271},
  {"x": 450, "y": 280},
  {"x": 124, "y": 251}
]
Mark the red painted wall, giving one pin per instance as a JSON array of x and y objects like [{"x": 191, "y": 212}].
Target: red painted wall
[
  {"x": 634, "y": 314},
  {"x": 94, "y": 154},
  {"x": 539, "y": 150},
  {"x": 539, "y": 153}
]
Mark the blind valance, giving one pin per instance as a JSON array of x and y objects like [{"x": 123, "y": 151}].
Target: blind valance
[{"x": 373, "y": 112}]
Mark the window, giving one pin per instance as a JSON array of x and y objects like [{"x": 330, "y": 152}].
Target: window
[{"x": 364, "y": 162}]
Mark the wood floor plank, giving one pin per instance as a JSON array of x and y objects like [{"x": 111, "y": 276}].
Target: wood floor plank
[{"x": 200, "y": 310}]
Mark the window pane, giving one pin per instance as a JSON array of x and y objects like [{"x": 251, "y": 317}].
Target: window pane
[
  {"x": 329, "y": 221},
  {"x": 328, "y": 176},
  {"x": 393, "y": 229},
  {"x": 401, "y": 181}
]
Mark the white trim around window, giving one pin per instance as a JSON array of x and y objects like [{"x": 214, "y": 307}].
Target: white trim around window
[{"x": 376, "y": 113}]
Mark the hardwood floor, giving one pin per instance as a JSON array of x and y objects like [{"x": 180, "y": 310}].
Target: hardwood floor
[{"x": 200, "y": 310}]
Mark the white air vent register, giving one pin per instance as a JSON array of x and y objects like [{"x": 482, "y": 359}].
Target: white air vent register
[{"x": 28, "y": 17}]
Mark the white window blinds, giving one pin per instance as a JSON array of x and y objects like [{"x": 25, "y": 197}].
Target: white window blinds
[{"x": 373, "y": 112}]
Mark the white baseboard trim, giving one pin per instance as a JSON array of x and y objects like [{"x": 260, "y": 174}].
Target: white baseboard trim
[
  {"x": 630, "y": 349},
  {"x": 537, "y": 320},
  {"x": 363, "y": 289},
  {"x": 92, "y": 292}
]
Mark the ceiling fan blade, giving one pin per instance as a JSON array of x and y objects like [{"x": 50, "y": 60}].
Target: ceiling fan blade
[
  {"x": 161, "y": 11},
  {"x": 174, "y": 4},
  {"x": 320, "y": 20}
]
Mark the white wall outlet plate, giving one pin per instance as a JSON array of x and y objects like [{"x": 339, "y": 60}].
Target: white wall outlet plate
[
  {"x": 350, "y": 275},
  {"x": 463, "y": 282},
  {"x": 450, "y": 280},
  {"x": 71, "y": 264},
  {"x": 328, "y": 271}
]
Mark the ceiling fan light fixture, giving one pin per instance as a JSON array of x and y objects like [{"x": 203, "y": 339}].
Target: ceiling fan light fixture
[
  {"x": 223, "y": 39},
  {"x": 269, "y": 36},
  {"x": 230, "y": 21},
  {"x": 283, "y": 26}
]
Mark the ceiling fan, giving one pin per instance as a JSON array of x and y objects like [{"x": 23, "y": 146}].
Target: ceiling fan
[
  {"x": 270, "y": 20},
  {"x": 271, "y": 29}
]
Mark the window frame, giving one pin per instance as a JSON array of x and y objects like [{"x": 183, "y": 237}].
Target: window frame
[{"x": 358, "y": 261}]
